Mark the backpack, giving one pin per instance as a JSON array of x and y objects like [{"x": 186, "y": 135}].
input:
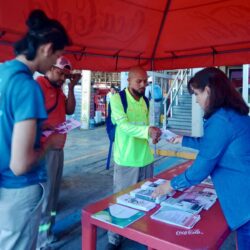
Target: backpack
[
  {"x": 111, "y": 128},
  {"x": 157, "y": 92}
]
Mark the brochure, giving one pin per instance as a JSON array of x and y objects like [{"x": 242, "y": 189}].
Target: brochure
[
  {"x": 118, "y": 215},
  {"x": 152, "y": 185},
  {"x": 203, "y": 190},
  {"x": 206, "y": 198},
  {"x": 176, "y": 217},
  {"x": 147, "y": 195},
  {"x": 183, "y": 204},
  {"x": 138, "y": 203},
  {"x": 64, "y": 127},
  {"x": 167, "y": 134}
]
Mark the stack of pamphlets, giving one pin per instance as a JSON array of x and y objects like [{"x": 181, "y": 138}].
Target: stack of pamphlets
[
  {"x": 146, "y": 190},
  {"x": 206, "y": 191},
  {"x": 187, "y": 205},
  {"x": 184, "y": 210},
  {"x": 204, "y": 196},
  {"x": 147, "y": 195},
  {"x": 176, "y": 217},
  {"x": 118, "y": 215},
  {"x": 138, "y": 203},
  {"x": 152, "y": 185}
]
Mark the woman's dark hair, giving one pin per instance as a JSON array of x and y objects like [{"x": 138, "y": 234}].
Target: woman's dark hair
[
  {"x": 222, "y": 95},
  {"x": 41, "y": 30}
]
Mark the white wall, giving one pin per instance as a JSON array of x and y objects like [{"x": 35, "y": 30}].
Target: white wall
[
  {"x": 124, "y": 80},
  {"x": 86, "y": 91},
  {"x": 197, "y": 113}
]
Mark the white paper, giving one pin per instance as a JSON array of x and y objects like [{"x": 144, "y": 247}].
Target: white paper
[
  {"x": 176, "y": 217},
  {"x": 167, "y": 134},
  {"x": 64, "y": 127},
  {"x": 206, "y": 199},
  {"x": 147, "y": 195},
  {"x": 137, "y": 203},
  {"x": 122, "y": 212},
  {"x": 187, "y": 205}
]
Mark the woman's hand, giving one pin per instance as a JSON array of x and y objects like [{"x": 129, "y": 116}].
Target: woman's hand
[{"x": 162, "y": 189}]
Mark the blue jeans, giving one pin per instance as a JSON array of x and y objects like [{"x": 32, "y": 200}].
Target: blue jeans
[{"x": 243, "y": 236}]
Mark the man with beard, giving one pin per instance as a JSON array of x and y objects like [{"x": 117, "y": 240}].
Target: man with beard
[
  {"x": 57, "y": 106},
  {"x": 132, "y": 155}
]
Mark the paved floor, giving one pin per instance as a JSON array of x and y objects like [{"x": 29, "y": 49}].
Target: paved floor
[{"x": 85, "y": 180}]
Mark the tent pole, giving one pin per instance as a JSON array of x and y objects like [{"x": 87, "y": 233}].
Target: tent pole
[{"x": 166, "y": 10}]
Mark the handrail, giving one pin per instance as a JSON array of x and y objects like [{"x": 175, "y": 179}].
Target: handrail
[
  {"x": 170, "y": 92},
  {"x": 176, "y": 93},
  {"x": 171, "y": 88}
]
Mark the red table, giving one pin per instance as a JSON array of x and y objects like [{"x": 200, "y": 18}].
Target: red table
[{"x": 208, "y": 233}]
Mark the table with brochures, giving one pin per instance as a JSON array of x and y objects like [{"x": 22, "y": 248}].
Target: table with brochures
[{"x": 209, "y": 233}]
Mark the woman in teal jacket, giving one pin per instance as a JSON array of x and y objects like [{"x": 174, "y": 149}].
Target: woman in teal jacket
[{"x": 224, "y": 150}]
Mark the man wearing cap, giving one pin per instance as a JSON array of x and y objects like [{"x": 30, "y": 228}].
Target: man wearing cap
[{"x": 57, "y": 106}]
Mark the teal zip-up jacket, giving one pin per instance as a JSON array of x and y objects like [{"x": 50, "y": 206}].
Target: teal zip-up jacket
[{"x": 224, "y": 153}]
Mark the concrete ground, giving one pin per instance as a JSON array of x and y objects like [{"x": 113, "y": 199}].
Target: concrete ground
[{"x": 85, "y": 180}]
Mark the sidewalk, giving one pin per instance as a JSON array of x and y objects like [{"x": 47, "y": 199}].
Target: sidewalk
[{"x": 86, "y": 180}]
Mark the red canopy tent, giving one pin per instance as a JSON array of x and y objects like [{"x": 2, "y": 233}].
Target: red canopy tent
[{"x": 112, "y": 35}]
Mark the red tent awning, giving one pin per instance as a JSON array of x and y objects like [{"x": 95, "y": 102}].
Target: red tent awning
[{"x": 113, "y": 35}]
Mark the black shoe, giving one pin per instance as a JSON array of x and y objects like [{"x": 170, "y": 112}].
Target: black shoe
[{"x": 112, "y": 247}]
